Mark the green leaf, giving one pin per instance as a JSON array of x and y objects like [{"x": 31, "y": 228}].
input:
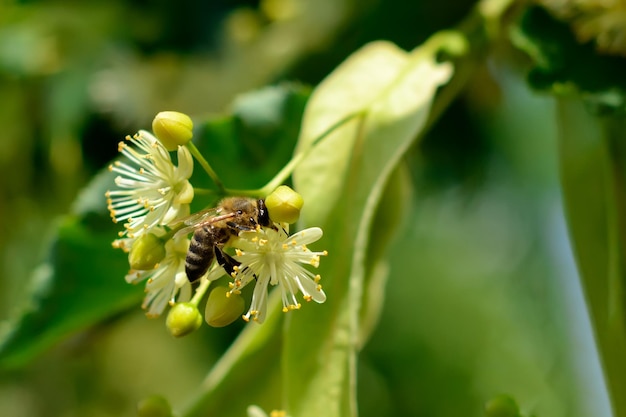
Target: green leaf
[
  {"x": 593, "y": 173},
  {"x": 565, "y": 66},
  {"x": 390, "y": 214},
  {"x": 342, "y": 182},
  {"x": 81, "y": 283}
]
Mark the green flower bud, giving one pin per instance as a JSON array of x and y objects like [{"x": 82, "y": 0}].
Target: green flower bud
[
  {"x": 183, "y": 319},
  {"x": 154, "y": 406},
  {"x": 284, "y": 205},
  {"x": 501, "y": 406},
  {"x": 146, "y": 252},
  {"x": 172, "y": 129},
  {"x": 223, "y": 308}
]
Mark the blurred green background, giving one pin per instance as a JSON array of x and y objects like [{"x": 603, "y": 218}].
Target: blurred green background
[{"x": 483, "y": 296}]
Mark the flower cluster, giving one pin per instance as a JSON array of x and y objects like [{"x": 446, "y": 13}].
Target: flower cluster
[{"x": 153, "y": 197}]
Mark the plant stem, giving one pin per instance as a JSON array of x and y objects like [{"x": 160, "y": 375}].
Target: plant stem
[
  {"x": 206, "y": 166},
  {"x": 200, "y": 291},
  {"x": 287, "y": 170}
]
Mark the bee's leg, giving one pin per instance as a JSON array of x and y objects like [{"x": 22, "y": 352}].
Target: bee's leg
[
  {"x": 226, "y": 261},
  {"x": 264, "y": 216}
]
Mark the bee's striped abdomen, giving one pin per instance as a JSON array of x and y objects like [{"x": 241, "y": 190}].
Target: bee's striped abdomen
[{"x": 200, "y": 254}]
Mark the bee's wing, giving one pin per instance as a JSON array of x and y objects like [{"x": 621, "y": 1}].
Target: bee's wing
[
  {"x": 200, "y": 219},
  {"x": 192, "y": 221}
]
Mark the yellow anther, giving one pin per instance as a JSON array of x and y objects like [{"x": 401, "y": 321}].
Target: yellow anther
[
  {"x": 319, "y": 287},
  {"x": 308, "y": 298},
  {"x": 317, "y": 278},
  {"x": 245, "y": 318},
  {"x": 238, "y": 252},
  {"x": 285, "y": 309}
]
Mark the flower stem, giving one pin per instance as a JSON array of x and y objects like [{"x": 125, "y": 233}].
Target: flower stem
[
  {"x": 206, "y": 166},
  {"x": 200, "y": 291}
]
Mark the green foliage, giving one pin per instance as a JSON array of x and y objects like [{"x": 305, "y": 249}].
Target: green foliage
[
  {"x": 79, "y": 285},
  {"x": 247, "y": 148},
  {"x": 475, "y": 287},
  {"x": 564, "y": 66}
]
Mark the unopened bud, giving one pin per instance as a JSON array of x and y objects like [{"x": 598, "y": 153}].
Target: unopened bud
[
  {"x": 146, "y": 252},
  {"x": 154, "y": 406},
  {"x": 284, "y": 205},
  {"x": 501, "y": 406},
  {"x": 172, "y": 129},
  {"x": 183, "y": 319},
  {"x": 222, "y": 310}
]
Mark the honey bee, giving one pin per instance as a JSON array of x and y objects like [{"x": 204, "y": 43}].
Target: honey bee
[{"x": 213, "y": 228}]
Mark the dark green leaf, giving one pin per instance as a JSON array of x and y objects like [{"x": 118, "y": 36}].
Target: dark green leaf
[
  {"x": 249, "y": 147},
  {"x": 565, "y": 66},
  {"x": 80, "y": 284}
]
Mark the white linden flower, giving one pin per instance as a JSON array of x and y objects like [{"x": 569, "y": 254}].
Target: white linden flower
[
  {"x": 273, "y": 257},
  {"x": 153, "y": 191},
  {"x": 167, "y": 280}
]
